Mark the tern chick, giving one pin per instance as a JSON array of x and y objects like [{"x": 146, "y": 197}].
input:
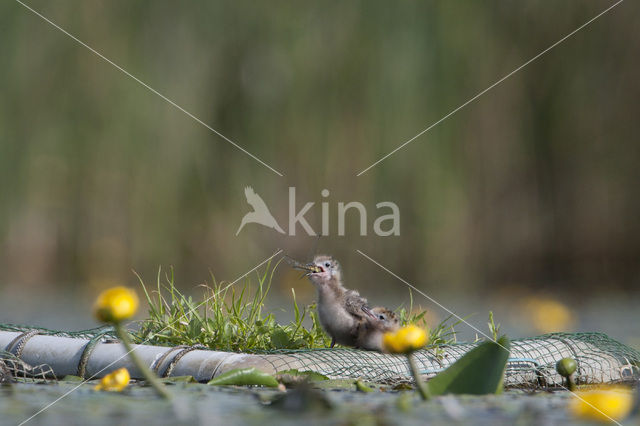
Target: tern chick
[
  {"x": 343, "y": 313},
  {"x": 370, "y": 331}
]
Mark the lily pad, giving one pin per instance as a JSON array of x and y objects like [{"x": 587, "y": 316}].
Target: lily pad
[
  {"x": 245, "y": 377},
  {"x": 479, "y": 372}
]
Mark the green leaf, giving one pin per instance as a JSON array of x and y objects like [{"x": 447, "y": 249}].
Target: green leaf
[
  {"x": 361, "y": 387},
  {"x": 310, "y": 376},
  {"x": 480, "y": 371},
  {"x": 195, "y": 327},
  {"x": 280, "y": 338},
  {"x": 244, "y": 377}
]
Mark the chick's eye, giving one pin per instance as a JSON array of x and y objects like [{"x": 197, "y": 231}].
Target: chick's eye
[{"x": 327, "y": 265}]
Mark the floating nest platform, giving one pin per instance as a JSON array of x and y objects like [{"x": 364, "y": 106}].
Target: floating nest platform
[{"x": 40, "y": 353}]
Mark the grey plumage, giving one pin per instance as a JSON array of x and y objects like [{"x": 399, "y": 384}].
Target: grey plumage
[
  {"x": 369, "y": 333},
  {"x": 343, "y": 313}
]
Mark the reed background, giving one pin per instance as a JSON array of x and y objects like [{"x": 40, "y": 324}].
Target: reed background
[{"x": 532, "y": 188}]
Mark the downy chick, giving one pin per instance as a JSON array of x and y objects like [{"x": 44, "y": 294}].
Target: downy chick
[
  {"x": 344, "y": 314},
  {"x": 370, "y": 331},
  {"x": 341, "y": 311}
]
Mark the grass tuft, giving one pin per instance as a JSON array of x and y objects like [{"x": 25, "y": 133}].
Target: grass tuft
[{"x": 229, "y": 319}]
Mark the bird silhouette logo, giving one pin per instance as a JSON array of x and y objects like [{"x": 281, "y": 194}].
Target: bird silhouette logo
[{"x": 260, "y": 213}]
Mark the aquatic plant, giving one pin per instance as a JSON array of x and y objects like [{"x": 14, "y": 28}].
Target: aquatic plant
[{"x": 232, "y": 319}]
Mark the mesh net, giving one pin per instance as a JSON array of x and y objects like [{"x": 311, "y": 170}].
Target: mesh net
[
  {"x": 106, "y": 331},
  {"x": 531, "y": 362},
  {"x": 13, "y": 368}
]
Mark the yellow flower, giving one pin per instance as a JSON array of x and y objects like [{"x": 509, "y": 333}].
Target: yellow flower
[
  {"x": 115, "y": 304},
  {"x": 604, "y": 404},
  {"x": 405, "y": 340},
  {"x": 115, "y": 381},
  {"x": 548, "y": 315}
]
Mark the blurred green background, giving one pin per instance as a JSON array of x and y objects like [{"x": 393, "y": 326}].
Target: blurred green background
[{"x": 532, "y": 188}]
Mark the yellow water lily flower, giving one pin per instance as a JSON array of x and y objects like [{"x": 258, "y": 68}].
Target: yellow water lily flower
[
  {"x": 115, "y": 381},
  {"x": 548, "y": 315},
  {"x": 406, "y": 340},
  {"x": 603, "y": 404},
  {"x": 116, "y": 304}
]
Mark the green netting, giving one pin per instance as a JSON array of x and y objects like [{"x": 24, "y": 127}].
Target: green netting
[
  {"x": 11, "y": 362},
  {"x": 531, "y": 362},
  {"x": 107, "y": 331}
]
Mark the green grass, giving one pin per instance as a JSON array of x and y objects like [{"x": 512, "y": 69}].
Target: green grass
[
  {"x": 232, "y": 319},
  {"x": 441, "y": 334}
]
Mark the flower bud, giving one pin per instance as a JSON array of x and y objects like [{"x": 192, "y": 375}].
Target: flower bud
[
  {"x": 115, "y": 305},
  {"x": 406, "y": 340},
  {"x": 566, "y": 367}
]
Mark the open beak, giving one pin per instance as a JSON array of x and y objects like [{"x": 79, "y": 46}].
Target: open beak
[
  {"x": 369, "y": 312},
  {"x": 308, "y": 269}
]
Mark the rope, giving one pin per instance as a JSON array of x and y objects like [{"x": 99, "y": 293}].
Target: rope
[
  {"x": 179, "y": 356},
  {"x": 20, "y": 341},
  {"x": 88, "y": 350},
  {"x": 155, "y": 366}
]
